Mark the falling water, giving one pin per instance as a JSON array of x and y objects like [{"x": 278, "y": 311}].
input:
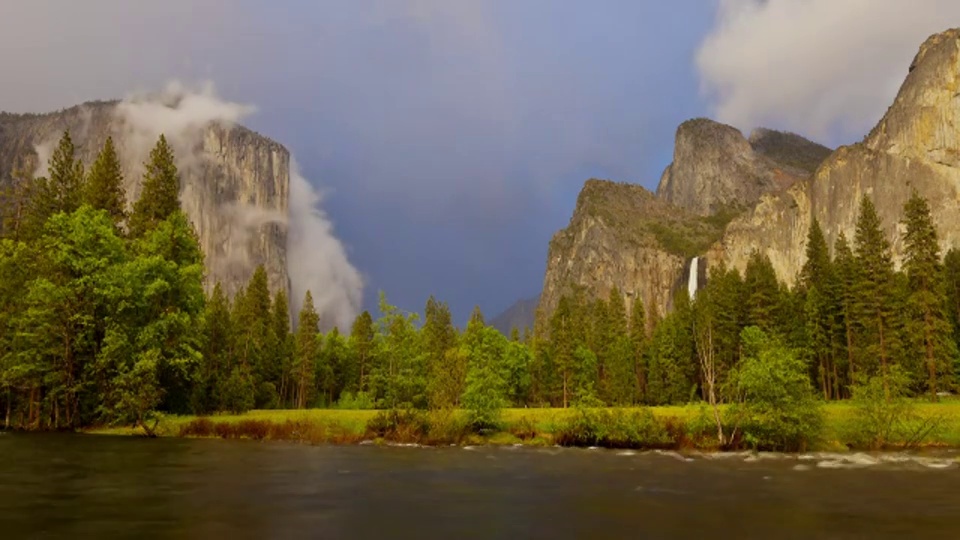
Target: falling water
[{"x": 692, "y": 280}]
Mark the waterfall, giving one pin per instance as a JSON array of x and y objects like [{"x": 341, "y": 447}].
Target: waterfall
[{"x": 692, "y": 280}]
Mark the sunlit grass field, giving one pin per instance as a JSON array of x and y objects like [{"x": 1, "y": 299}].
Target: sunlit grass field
[{"x": 839, "y": 419}]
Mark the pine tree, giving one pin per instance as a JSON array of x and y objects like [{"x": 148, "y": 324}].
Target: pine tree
[
  {"x": 816, "y": 290},
  {"x": 104, "y": 186},
  {"x": 252, "y": 313},
  {"x": 160, "y": 195},
  {"x": 281, "y": 345},
  {"x": 217, "y": 351},
  {"x": 445, "y": 379},
  {"x": 763, "y": 295},
  {"x": 362, "y": 341},
  {"x": 621, "y": 381},
  {"x": 845, "y": 268},
  {"x": 307, "y": 351},
  {"x": 928, "y": 325},
  {"x": 951, "y": 268},
  {"x": 874, "y": 289},
  {"x": 563, "y": 343},
  {"x": 66, "y": 176},
  {"x": 638, "y": 345}
]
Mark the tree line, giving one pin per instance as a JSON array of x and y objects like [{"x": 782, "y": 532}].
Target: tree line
[{"x": 104, "y": 319}]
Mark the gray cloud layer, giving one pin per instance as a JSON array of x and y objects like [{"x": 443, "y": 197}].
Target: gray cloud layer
[{"x": 825, "y": 68}]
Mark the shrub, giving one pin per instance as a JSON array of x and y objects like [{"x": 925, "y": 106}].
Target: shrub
[
  {"x": 237, "y": 391},
  {"x": 266, "y": 396},
  {"x": 613, "y": 428},
  {"x": 358, "y": 401},
  {"x": 399, "y": 425},
  {"x": 777, "y": 408},
  {"x": 884, "y": 416},
  {"x": 445, "y": 426}
]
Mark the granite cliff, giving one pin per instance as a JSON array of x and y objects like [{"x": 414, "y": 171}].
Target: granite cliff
[
  {"x": 234, "y": 182},
  {"x": 916, "y": 145},
  {"x": 725, "y": 195}
]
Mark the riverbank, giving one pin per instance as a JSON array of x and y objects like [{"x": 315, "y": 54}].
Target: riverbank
[{"x": 669, "y": 427}]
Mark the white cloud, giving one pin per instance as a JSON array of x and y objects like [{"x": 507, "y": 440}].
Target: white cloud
[{"x": 825, "y": 68}]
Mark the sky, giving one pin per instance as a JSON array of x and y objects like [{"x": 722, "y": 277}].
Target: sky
[{"x": 449, "y": 140}]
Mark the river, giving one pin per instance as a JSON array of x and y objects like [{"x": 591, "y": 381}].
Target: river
[{"x": 85, "y": 486}]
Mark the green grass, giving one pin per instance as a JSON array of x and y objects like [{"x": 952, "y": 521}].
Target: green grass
[{"x": 533, "y": 426}]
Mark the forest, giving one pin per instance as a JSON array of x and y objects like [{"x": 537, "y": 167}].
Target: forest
[{"x": 104, "y": 320}]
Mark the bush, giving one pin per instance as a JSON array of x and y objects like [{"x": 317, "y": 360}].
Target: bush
[
  {"x": 358, "y": 401},
  {"x": 237, "y": 391},
  {"x": 447, "y": 427},
  {"x": 399, "y": 425},
  {"x": 884, "y": 417},
  {"x": 777, "y": 408},
  {"x": 267, "y": 396},
  {"x": 613, "y": 428}
]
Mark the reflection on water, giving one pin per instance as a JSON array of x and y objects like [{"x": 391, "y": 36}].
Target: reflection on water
[{"x": 93, "y": 486}]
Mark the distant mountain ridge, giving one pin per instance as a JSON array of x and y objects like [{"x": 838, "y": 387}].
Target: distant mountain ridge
[{"x": 520, "y": 315}]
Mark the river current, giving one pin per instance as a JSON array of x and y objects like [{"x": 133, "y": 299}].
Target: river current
[{"x": 82, "y": 486}]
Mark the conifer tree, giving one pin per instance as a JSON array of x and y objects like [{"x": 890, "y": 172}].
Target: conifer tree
[
  {"x": 66, "y": 176},
  {"x": 928, "y": 326},
  {"x": 875, "y": 288},
  {"x": 621, "y": 382},
  {"x": 361, "y": 341},
  {"x": 563, "y": 345},
  {"x": 281, "y": 344},
  {"x": 817, "y": 290},
  {"x": 252, "y": 313},
  {"x": 638, "y": 344},
  {"x": 763, "y": 295},
  {"x": 218, "y": 344},
  {"x": 845, "y": 268},
  {"x": 951, "y": 269},
  {"x": 104, "y": 185},
  {"x": 446, "y": 378},
  {"x": 160, "y": 195},
  {"x": 307, "y": 349}
]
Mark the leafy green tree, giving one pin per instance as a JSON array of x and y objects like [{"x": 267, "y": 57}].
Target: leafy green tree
[
  {"x": 517, "y": 364},
  {"x": 672, "y": 366},
  {"x": 776, "y": 408},
  {"x": 104, "y": 185},
  {"x": 307, "y": 350},
  {"x": 484, "y": 395},
  {"x": 401, "y": 374},
  {"x": 446, "y": 375},
  {"x": 160, "y": 194},
  {"x": 928, "y": 324},
  {"x": 236, "y": 391}
]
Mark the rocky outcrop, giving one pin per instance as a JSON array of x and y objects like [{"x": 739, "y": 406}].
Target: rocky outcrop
[
  {"x": 234, "y": 182},
  {"x": 715, "y": 168},
  {"x": 623, "y": 236},
  {"x": 915, "y": 146}
]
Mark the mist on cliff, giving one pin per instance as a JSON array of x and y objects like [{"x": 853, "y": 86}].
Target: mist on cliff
[
  {"x": 316, "y": 259},
  {"x": 825, "y": 68}
]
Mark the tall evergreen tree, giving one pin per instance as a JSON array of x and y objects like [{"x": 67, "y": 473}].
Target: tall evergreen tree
[
  {"x": 845, "y": 270},
  {"x": 563, "y": 343},
  {"x": 104, "y": 185},
  {"x": 817, "y": 289},
  {"x": 928, "y": 325},
  {"x": 639, "y": 344},
  {"x": 875, "y": 289},
  {"x": 763, "y": 295},
  {"x": 446, "y": 378},
  {"x": 281, "y": 345},
  {"x": 951, "y": 269},
  {"x": 217, "y": 352},
  {"x": 66, "y": 176},
  {"x": 307, "y": 351},
  {"x": 362, "y": 342},
  {"x": 160, "y": 195}
]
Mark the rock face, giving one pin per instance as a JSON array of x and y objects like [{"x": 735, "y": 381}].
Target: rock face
[
  {"x": 622, "y": 235},
  {"x": 780, "y": 182},
  {"x": 234, "y": 182},
  {"x": 915, "y": 146},
  {"x": 520, "y": 316},
  {"x": 715, "y": 168}
]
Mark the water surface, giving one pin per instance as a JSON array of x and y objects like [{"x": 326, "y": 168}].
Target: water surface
[{"x": 77, "y": 486}]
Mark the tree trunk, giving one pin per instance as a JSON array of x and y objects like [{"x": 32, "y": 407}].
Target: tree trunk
[{"x": 931, "y": 361}]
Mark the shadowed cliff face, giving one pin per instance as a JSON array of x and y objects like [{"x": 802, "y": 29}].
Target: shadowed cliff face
[
  {"x": 915, "y": 146},
  {"x": 715, "y": 168},
  {"x": 234, "y": 182}
]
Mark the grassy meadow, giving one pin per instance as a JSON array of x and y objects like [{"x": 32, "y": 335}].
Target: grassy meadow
[{"x": 530, "y": 426}]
